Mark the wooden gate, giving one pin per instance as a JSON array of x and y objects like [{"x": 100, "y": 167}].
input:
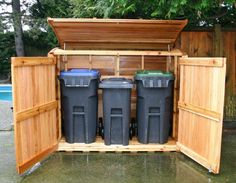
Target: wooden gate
[
  {"x": 201, "y": 103},
  {"x": 35, "y": 109}
]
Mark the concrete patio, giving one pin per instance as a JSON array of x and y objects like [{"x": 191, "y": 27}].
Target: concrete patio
[{"x": 118, "y": 167}]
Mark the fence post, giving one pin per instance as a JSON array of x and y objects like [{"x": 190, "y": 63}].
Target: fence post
[{"x": 217, "y": 41}]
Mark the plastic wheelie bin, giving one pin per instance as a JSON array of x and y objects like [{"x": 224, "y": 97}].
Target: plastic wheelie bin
[
  {"x": 154, "y": 105},
  {"x": 116, "y": 109},
  {"x": 79, "y": 98}
]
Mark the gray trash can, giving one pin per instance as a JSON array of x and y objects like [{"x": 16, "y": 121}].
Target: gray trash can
[
  {"x": 116, "y": 109},
  {"x": 154, "y": 105},
  {"x": 79, "y": 98}
]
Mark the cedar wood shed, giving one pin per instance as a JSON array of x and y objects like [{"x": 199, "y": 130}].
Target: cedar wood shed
[{"x": 118, "y": 47}]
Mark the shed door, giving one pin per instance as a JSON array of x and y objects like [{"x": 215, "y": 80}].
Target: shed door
[
  {"x": 201, "y": 102},
  {"x": 35, "y": 109}
]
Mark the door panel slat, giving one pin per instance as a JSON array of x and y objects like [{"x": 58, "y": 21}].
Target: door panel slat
[
  {"x": 35, "y": 106},
  {"x": 201, "y": 103}
]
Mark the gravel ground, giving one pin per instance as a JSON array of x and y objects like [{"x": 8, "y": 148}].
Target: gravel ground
[{"x": 6, "y": 116}]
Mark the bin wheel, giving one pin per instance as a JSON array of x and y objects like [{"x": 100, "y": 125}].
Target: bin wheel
[
  {"x": 100, "y": 126},
  {"x": 133, "y": 127},
  {"x": 102, "y": 133},
  {"x": 131, "y": 133}
]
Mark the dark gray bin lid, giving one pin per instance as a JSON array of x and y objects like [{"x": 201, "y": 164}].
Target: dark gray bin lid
[{"x": 116, "y": 83}]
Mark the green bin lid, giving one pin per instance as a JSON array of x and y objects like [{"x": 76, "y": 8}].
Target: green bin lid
[{"x": 153, "y": 73}]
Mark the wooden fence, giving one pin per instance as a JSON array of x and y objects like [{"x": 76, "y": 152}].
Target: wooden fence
[{"x": 217, "y": 42}]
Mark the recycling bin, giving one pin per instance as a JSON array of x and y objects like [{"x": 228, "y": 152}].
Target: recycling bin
[
  {"x": 154, "y": 105},
  {"x": 116, "y": 109},
  {"x": 79, "y": 96}
]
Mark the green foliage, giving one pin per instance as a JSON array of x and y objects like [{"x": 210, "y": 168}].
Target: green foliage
[
  {"x": 39, "y": 39},
  {"x": 40, "y": 31},
  {"x": 50, "y": 8},
  {"x": 7, "y": 50},
  {"x": 102, "y": 9},
  {"x": 200, "y": 13}
]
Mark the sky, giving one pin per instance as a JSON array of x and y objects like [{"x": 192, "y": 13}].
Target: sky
[{"x": 8, "y": 9}]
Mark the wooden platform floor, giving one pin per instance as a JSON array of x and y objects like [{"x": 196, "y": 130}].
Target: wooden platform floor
[{"x": 134, "y": 146}]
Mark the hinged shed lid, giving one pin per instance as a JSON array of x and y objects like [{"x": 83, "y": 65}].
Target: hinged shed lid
[{"x": 116, "y": 33}]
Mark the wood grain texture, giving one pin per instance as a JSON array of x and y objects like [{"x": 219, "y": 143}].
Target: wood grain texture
[
  {"x": 202, "y": 44},
  {"x": 26, "y": 61},
  {"x": 58, "y": 93},
  {"x": 229, "y": 51},
  {"x": 175, "y": 98},
  {"x": 38, "y": 157},
  {"x": 203, "y": 61},
  {"x": 34, "y": 111},
  {"x": 35, "y": 106},
  {"x": 116, "y": 33},
  {"x": 200, "y": 111},
  {"x": 134, "y": 146},
  {"x": 174, "y": 52},
  {"x": 202, "y": 90},
  {"x": 196, "y": 44}
]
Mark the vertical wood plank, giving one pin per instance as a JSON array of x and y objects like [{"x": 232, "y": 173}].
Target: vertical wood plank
[
  {"x": 34, "y": 84},
  {"x": 142, "y": 62},
  {"x": 202, "y": 112},
  {"x": 90, "y": 62},
  {"x": 117, "y": 70},
  {"x": 175, "y": 100},
  {"x": 229, "y": 51},
  {"x": 217, "y": 41}
]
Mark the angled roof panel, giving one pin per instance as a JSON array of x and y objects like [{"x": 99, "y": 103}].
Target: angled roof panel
[{"x": 116, "y": 33}]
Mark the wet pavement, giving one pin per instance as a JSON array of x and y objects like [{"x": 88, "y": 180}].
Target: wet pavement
[
  {"x": 6, "y": 115},
  {"x": 119, "y": 167}
]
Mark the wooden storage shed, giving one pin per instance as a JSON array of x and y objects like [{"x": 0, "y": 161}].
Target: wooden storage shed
[{"x": 118, "y": 47}]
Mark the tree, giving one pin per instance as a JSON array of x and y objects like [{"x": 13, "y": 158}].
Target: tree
[
  {"x": 7, "y": 50},
  {"x": 40, "y": 31},
  {"x": 202, "y": 13},
  {"x": 18, "y": 32},
  {"x": 11, "y": 18}
]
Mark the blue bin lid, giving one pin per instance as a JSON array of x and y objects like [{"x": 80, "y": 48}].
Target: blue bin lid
[{"x": 80, "y": 72}]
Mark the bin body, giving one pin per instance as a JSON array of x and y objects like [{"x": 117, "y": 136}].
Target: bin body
[
  {"x": 79, "y": 98},
  {"x": 116, "y": 110},
  {"x": 154, "y": 105}
]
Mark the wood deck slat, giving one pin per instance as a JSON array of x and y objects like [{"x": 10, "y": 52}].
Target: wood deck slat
[{"x": 99, "y": 146}]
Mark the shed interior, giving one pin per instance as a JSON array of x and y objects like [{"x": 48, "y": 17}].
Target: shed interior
[{"x": 119, "y": 48}]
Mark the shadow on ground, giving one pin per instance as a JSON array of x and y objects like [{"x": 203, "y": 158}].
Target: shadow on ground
[{"x": 115, "y": 167}]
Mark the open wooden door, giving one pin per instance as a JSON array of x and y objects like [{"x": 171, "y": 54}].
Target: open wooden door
[
  {"x": 201, "y": 102},
  {"x": 35, "y": 109}
]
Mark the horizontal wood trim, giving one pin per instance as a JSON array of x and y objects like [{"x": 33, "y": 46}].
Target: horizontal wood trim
[
  {"x": 200, "y": 111},
  {"x": 32, "y": 61},
  {"x": 166, "y": 41},
  {"x": 196, "y": 157},
  {"x": 129, "y": 69},
  {"x": 96, "y": 20},
  {"x": 207, "y": 62},
  {"x": 174, "y": 52},
  {"x": 134, "y": 146},
  {"x": 29, "y": 113},
  {"x": 38, "y": 157}
]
